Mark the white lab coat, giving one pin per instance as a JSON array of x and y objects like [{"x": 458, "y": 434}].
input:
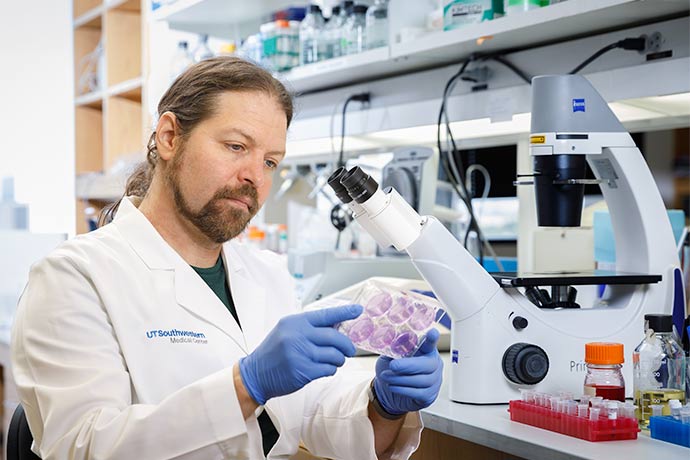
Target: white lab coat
[{"x": 121, "y": 351}]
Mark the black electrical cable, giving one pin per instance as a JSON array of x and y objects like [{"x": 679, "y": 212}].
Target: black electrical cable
[
  {"x": 596, "y": 55},
  {"x": 361, "y": 97},
  {"x": 464, "y": 195},
  {"x": 632, "y": 43}
]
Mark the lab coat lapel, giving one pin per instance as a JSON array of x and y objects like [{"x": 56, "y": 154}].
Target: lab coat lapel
[
  {"x": 249, "y": 297},
  {"x": 191, "y": 292},
  {"x": 194, "y": 295}
]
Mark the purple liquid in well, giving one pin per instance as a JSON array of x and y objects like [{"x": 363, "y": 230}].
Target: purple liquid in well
[
  {"x": 379, "y": 304},
  {"x": 382, "y": 337},
  {"x": 404, "y": 344},
  {"x": 402, "y": 310},
  {"x": 422, "y": 317},
  {"x": 361, "y": 330}
]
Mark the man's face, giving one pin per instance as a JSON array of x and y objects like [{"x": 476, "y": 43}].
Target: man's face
[{"x": 221, "y": 175}]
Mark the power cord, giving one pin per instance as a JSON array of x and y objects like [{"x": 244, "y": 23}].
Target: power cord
[
  {"x": 636, "y": 43},
  {"x": 364, "y": 98}
]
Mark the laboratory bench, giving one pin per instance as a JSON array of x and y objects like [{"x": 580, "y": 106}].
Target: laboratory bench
[
  {"x": 462, "y": 431},
  {"x": 454, "y": 431}
]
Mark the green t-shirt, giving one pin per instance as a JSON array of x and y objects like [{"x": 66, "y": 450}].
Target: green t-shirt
[{"x": 215, "y": 278}]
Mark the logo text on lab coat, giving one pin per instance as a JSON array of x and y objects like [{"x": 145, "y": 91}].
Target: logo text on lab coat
[{"x": 177, "y": 336}]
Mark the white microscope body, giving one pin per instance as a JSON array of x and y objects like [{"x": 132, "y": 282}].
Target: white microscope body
[{"x": 500, "y": 340}]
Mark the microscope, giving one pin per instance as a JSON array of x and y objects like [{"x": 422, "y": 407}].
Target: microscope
[{"x": 508, "y": 332}]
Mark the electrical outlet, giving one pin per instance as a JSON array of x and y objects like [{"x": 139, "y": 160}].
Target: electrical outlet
[{"x": 654, "y": 42}]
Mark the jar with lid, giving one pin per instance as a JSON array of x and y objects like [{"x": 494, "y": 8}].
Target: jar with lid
[{"x": 604, "y": 377}]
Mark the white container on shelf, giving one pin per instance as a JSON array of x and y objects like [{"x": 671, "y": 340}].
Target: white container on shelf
[
  {"x": 515, "y": 6},
  {"x": 458, "y": 13}
]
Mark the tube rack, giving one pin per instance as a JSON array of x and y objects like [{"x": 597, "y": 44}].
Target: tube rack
[
  {"x": 667, "y": 428},
  {"x": 601, "y": 429}
]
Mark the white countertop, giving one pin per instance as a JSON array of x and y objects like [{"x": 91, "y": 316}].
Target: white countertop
[{"x": 491, "y": 426}]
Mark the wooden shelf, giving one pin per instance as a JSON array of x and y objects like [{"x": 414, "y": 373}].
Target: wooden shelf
[
  {"x": 130, "y": 89},
  {"x": 91, "y": 18},
  {"x": 123, "y": 52},
  {"x": 109, "y": 118},
  {"x": 92, "y": 100},
  {"x": 123, "y": 129}
]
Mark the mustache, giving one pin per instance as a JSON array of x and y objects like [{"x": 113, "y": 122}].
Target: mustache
[{"x": 244, "y": 192}]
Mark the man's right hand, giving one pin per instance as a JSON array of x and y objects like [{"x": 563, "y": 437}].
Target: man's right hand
[{"x": 299, "y": 349}]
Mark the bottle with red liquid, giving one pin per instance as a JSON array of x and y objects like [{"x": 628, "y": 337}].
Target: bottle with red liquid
[{"x": 604, "y": 377}]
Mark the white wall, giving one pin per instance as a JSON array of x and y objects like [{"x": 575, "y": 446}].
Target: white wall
[{"x": 36, "y": 109}]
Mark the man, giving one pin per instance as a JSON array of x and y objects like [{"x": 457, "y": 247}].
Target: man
[{"x": 158, "y": 337}]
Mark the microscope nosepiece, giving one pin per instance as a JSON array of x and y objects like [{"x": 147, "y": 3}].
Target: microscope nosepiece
[
  {"x": 559, "y": 204},
  {"x": 359, "y": 184}
]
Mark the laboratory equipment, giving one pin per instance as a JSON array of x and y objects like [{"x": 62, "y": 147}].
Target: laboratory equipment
[
  {"x": 181, "y": 60},
  {"x": 377, "y": 25},
  {"x": 516, "y": 6},
  {"x": 501, "y": 341},
  {"x": 604, "y": 377},
  {"x": 669, "y": 429},
  {"x": 319, "y": 274},
  {"x": 458, "y": 13},
  {"x": 309, "y": 34},
  {"x": 613, "y": 421},
  {"x": 394, "y": 322},
  {"x": 659, "y": 367},
  {"x": 202, "y": 51},
  {"x": 13, "y": 215},
  {"x": 412, "y": 172},
  {"x": 355, "y": 30},
  {"x": 332, "y": 34}
]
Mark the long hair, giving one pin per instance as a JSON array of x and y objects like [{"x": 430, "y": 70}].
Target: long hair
[{"x": 192, "y": 98}]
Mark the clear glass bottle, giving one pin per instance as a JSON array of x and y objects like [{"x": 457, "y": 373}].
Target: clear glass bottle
[
  {"x": 333, "y": 33},
  {"x": 377, "y": 25},
  {"x": 604, "y": 377},
  {"x": 202, "y": 51},
  {"x": 355, "y": 30},
  {"x": 658, "y": 368},
  {"x": 309, "y": 32}
]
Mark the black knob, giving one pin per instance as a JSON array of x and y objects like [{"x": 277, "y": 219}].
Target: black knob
[
  {"x": 524, "y": 363},
  {"x": 520, "y": 323}
]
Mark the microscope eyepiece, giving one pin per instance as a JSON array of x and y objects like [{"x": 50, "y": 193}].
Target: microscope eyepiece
[
  {"x": 359, "y": 184},
  {"x": 338, "y": 188}
]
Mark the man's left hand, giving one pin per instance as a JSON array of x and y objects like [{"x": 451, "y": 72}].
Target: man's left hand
[{"x": 410, "y": 384}]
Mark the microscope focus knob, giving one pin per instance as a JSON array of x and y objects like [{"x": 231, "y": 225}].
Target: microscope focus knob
[{"x": 525, "y": 364}]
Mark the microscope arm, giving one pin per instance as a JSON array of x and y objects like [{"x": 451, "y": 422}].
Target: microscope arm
[{"x": 457, "y": 279}]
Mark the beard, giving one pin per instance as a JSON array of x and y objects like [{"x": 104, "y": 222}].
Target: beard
[{"x": 216, "y": 220}]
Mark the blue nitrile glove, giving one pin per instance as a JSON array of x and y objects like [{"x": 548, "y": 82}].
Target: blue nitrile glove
[
  {"x": 299, "y": 349},
  {"x": 410, "y": 384},
  {"x": 444, "y": 319}
]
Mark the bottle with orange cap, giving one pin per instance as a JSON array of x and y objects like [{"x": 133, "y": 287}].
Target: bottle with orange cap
[{"x": 604, "y": 377}]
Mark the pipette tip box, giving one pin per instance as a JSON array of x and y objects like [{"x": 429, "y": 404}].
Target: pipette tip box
[
  {"x": 667, "y": 428},
  {"x": 602, "y": 429}
]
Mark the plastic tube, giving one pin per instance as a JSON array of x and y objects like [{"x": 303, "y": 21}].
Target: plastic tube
[
  {"x": 612, "y": 410},
  {"x": 582, "y": 410},
  {"x": 594, "y": 414},
  {"x": 675, "y": 406},
  {"x": 685, "y": 415},
  {"x": 656, "y": 409}
]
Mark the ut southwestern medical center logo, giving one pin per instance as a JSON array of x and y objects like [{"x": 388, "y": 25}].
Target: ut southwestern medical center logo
[{"x": 177, "y": 336}]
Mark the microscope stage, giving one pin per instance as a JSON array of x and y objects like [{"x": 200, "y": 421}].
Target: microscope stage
[{"x": 513, "y": 279}]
